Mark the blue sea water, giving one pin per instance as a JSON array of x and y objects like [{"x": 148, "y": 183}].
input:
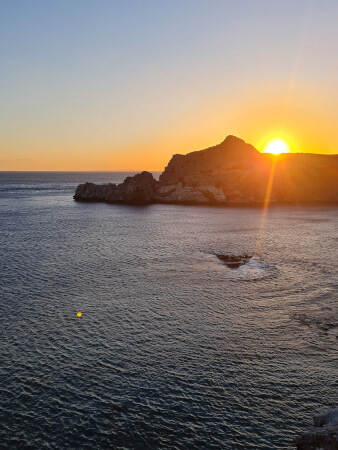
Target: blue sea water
[{"x": 173, "y": 349}]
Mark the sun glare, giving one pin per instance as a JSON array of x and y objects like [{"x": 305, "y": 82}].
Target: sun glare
[{"x": 277, "y": 146}]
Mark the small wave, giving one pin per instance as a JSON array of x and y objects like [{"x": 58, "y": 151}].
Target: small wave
[
  {"x": 9, "y": 189},
  {"x": 254, "y": 267}
]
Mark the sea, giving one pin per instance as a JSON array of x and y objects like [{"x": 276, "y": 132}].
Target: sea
[{"x": 174, "y": 350}]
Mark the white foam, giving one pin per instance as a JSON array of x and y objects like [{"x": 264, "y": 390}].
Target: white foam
[{"x": 254, "y": 267}]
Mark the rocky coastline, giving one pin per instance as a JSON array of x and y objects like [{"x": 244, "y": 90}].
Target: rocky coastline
[
  {"x": 231, "y": 173},
  {"x": 324, "y": 435}
]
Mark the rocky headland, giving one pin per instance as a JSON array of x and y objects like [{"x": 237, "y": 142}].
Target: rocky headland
[{"x": 232, "y": 172}]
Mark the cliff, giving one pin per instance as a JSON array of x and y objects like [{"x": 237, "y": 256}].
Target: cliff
[{"x": 228, "y": 173}]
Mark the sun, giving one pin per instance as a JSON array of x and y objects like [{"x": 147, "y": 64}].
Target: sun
[{"x": 276, "y": 146}]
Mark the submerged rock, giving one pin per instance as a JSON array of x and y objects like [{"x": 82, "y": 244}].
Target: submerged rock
[
  {"x": 324, "y": 436},
  {"x": 234, "y": 261},
  {"x": 324, "y": 321}
]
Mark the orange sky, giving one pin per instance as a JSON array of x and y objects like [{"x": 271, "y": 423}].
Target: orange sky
[
  {"x": 306, "y": 123},
  {"x": 126, "y": 88}
]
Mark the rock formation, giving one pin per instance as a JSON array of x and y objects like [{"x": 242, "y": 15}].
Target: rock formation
[
  {"x": 234, "y": 261},
  {"x": 137, "y": 189},
  {"x": 324, "y": 435},
  {"x": 232, "y": 172}
]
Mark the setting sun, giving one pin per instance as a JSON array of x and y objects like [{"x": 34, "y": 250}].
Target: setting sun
[{"x": 277, "y": 146}]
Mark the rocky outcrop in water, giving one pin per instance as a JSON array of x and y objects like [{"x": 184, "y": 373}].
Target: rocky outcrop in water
[
  {"x": 325, "y": 434},
  {"x": 234, "y": 261},
  {"x": 137, "y": 189},
  {"x": 232, "y": 172},
  {"x": 324, "y": 322}
]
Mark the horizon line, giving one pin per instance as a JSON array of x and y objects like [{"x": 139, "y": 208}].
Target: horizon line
[{"x": 84, "y": 171}]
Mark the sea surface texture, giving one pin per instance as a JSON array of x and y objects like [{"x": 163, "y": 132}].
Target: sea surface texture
[{"x": 173, "y": 349}]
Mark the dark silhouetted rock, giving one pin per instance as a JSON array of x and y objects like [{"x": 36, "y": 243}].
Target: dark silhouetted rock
[
  {"x": 324, "y": 436},
  {"x": 137, "y": 189},
  {"x": 234, "y": 261},
  {"x": 324, "y": 320}
]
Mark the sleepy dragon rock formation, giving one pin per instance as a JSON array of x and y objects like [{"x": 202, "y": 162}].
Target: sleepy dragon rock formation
[{"x": 232, "y": 172}]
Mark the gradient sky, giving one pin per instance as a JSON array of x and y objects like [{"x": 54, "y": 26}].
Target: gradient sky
[{"x": 124, "y": 84}]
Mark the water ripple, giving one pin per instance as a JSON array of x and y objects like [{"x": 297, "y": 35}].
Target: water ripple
[{"x": 173, "y": 349}]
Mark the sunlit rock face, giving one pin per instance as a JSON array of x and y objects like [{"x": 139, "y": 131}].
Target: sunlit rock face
[
  {"x": 324, "y": 435},
  {"x": 232, "y": 172},
  {"x": 182, "y": 192}
]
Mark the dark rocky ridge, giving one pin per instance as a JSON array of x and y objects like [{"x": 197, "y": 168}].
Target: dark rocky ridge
[
  {"x": 232, "y": 172},
  {"x": 137, "y": 189}
]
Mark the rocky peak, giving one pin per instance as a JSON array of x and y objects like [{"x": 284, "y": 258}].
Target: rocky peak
[
  {"x": 219, "y": 157},
  {"x": 232, "y": 140}
]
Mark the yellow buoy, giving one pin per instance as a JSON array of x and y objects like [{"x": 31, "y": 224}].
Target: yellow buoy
[{"x": 79, "y": 314}]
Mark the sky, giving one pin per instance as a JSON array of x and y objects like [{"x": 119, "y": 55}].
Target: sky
[{"x": 125, "y": 84}]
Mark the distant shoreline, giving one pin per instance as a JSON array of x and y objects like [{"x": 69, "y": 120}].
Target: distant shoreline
[{"x": 210, "y": 205}]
